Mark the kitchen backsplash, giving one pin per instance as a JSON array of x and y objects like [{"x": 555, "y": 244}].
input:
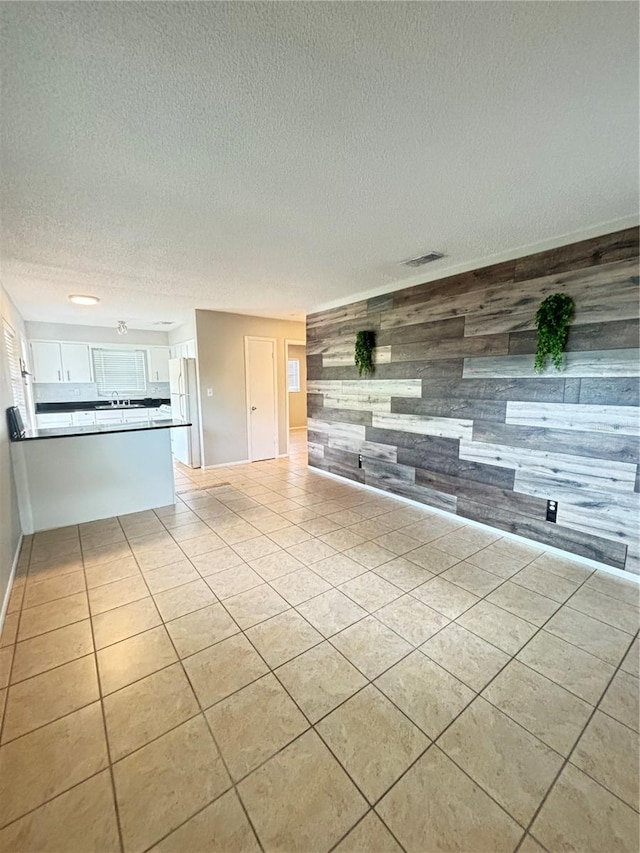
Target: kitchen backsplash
[{"x": 70, "y": 392}]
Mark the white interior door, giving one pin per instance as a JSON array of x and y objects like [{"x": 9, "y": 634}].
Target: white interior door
[{"x": 261, "y": 397}]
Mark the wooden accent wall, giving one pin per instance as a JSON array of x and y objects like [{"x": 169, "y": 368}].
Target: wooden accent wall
[{"x": 456, "y": 418}]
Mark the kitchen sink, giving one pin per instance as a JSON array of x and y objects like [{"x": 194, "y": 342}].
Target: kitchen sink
[{"x": 132, "y": 406}]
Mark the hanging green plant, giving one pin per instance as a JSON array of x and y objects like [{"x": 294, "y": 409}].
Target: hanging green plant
[
  {"x": 365, "y": 342},
  {"x": 552, "y": 321}
]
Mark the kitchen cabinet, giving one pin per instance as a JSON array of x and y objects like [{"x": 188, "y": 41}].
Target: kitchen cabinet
[
  {"x": 76, "y": 363},
  {"x": 84, "y": 418},
  {"x": 159, "y": 364},
  {"x": 134, "y": 415},
  {"x": 54, "y": 362},
  {"x": 47, "y": 361},
  {"x": 55, "y": 419},
  {"x": 109, "y": 417},
  {"x": 187, "y": 349}
]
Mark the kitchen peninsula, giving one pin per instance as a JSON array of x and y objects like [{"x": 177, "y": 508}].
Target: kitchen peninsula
[{"x": 73, "y": 474}]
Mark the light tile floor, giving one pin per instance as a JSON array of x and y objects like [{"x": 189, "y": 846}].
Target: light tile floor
[{"x": 285, "y": 662}]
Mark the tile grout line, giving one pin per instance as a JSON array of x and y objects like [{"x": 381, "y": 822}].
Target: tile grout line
[
  {"x": 567, "y": 759},
  {"x": 104, "y": 718},
  {"x": 13, "y": 652},
  {"x": 206, "y": 722},
  {"x": 402, "y": 592},
  {"x": 478, "y": 695}
]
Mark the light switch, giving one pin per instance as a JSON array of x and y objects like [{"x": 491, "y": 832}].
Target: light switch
[{"x": 209, "y": 392}]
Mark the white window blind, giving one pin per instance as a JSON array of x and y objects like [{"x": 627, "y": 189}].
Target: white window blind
[
  {"x": 121, "y": 370},
  {"x": 293, "y": 374},
  {"x": 12, "y": 349}
]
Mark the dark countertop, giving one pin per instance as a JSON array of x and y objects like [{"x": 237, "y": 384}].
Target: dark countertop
[
  {"x": 99, "y": 429},
  {"x": 90, "y": 405}
]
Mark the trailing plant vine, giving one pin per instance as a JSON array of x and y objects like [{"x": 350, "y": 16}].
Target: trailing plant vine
[
  {"x": 365, "y": 342},
  {"x": 552, "y": 322}
]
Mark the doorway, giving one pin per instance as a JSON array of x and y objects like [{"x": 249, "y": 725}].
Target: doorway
[
  {"x": 260, "y": 383},
  {"x": 296, "y": 356}
]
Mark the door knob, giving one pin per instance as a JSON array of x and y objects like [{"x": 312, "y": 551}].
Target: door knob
[{"x": 253, "y": 408}]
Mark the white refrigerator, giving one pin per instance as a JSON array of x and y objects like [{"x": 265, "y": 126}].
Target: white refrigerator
[{"x": 185, "y": 441}]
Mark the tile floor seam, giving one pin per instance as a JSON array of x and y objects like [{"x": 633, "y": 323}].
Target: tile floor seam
[
  {"x": 11, "y": 684},
  {"x": 53, "y": 719},
  {"x": 104, "y": 721},
  {"x": 45, "y": 603},
  {"x": 596, "y": 619},
  {"x": 615, "y": 719},
  {"x": 220, "y": 753},
  {"x": 329, "y": 747},
  {"x": 538, "y": 629},
  {"x": 201, "y": 712},
  {"x": 370, "y": 811},
  {"x": 511, "y": 657},
  {"x": 331, "y": 711},
  {"x": 478, "y": 695},
  {"x": 312, "y": 725},
  {"x": 567, "y": 759},
  {"x": 52, "y": 799}
]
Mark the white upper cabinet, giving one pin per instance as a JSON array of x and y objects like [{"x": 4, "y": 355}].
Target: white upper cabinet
[
  {"x": 47, "y": 361},
  {"x": 53, "y": 362},
  {"x": 76, "y": 363},
  {"x": 159, "y": 364}
]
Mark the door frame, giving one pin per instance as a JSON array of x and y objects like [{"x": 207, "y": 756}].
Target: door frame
[
  {"x": 289, "y": 343},
  {"x": 276, "y": 437}
]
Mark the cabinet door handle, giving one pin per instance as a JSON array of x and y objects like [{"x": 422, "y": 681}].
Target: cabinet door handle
[
  {"x": 59, "y": 377},
  {"x": 68, "y": 376}
]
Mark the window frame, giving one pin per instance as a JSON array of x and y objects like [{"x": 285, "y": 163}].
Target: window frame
[
  {"x": 105, "y": 384},
  {"x": 298, "y": 389},
  {"x": 12, "y": 348}
]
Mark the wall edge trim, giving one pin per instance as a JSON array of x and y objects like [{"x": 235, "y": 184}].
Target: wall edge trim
[{"x": 225, "y": 464}]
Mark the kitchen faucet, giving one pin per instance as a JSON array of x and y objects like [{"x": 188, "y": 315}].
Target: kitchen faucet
[{"x": 117, "y": 398}]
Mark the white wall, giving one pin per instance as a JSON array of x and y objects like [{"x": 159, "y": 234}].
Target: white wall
[
  {"x": 220, "y": 340},
  {"x": 10, "y": 529},
  {"x": 94, "y": 334},
  {"x": 185, "y": 332}
]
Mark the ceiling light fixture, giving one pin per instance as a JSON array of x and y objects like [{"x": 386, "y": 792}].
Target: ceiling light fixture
[
  {"x": 79, "y": 299},
  {"x": 122, "y": 327}
]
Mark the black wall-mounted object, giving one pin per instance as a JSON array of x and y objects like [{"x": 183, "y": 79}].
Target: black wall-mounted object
[
  {"x": 14, "y": 423},
  {"x": 552, "y": 510}
]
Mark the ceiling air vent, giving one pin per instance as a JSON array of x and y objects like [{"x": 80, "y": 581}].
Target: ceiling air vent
[
  {"x": 423, "y": 259},
  {"x": 163, "y": 323}
]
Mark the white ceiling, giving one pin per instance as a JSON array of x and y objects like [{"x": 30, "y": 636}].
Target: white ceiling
[{"x": 270, "y": 158}]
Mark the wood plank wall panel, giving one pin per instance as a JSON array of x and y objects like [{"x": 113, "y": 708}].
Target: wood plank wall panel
[{"x": 456, "y": 418}]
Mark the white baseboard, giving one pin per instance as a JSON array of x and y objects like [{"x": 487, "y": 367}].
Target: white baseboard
[
  {"x": 12, "y": 576},
  {"x": 567, "y": 555},
  {"x": 226, "y": 464}
]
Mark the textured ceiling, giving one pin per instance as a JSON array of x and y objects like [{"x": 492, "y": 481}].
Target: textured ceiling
[{"x": 270, "y": 158}]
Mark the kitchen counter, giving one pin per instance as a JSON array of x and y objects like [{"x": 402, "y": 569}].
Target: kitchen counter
[
  {"x": 93, "y": 472},
  {"x": 100, "y": 405},
  {"x": 99, "y": 429}
]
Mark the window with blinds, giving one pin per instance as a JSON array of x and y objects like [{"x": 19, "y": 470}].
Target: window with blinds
[
  {"x": 293, "y": 374},
  {"x": 12, "y": 349},
  {"x": 124, "y": 371}
]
